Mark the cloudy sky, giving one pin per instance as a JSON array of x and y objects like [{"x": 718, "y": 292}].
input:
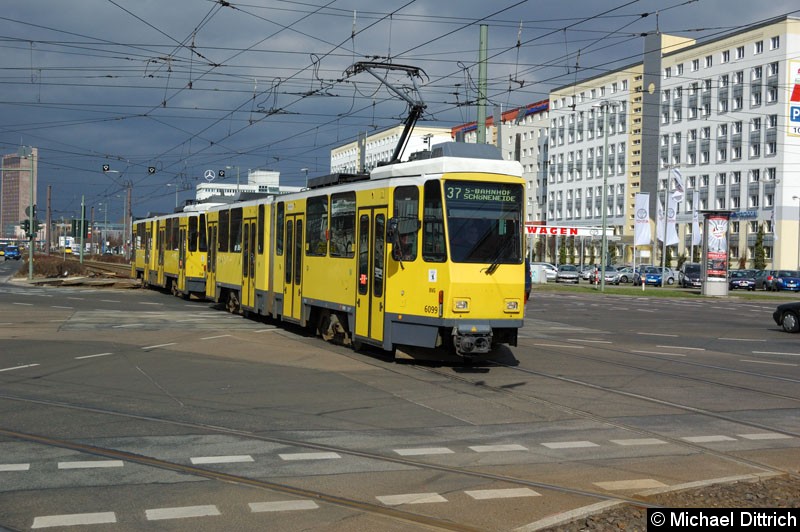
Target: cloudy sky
[{"x": 190, "y": 85}]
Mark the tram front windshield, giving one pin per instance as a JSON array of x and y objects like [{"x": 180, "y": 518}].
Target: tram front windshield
[{"x": 483, "y": 221}]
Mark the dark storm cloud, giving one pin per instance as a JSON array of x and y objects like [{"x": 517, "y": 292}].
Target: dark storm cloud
[{"x": 190, "y": 85}]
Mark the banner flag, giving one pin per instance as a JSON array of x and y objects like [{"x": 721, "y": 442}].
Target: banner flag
[
  {"x": 672, "y": 229},
  {"x": 774, "y": 227},
  {"x": 697, "y": 237},
  {"x": 641, "y": 235},
  {"x": 679, "y": 190},
  {"x": 660, "y": 221}
]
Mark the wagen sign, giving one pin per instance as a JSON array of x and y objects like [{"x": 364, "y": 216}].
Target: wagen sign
[{"x": 554, "y": 230}]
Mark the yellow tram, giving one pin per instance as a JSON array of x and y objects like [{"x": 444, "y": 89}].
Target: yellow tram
[{"x": 419, "y": 255}]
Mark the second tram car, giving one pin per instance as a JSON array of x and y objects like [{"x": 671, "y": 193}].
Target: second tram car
[{"x": 425, "y": 254}]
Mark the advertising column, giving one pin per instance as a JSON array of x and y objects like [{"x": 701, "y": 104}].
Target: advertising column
[{"x": 715, "y": 253}]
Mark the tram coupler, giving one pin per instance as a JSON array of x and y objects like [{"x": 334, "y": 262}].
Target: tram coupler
[{"x": 470, "y": 339}]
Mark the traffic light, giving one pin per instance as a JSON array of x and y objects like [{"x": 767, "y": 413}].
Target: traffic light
[
  {"x": 26, "y": 226},
  {"x": 37, "y": 226}
]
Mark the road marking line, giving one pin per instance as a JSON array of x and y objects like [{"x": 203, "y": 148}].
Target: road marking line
[
  {"x": 58, "y": 306},
  {"x": 265, "y": 330},
  {"x": 502, "y": 493},
  {"x": 410, "y": 498},
  {"x": 636, "y": 484},
  {"x": 23, "y": 304},
  {"x": 158, "y": 514},
  {"x": 639, "y": 441},
  {"x": 569, "y": 444},
  {"x": 560, "y": 345},
  {"x": 590, "y": 341},
  {"x": 423, "y": 451},
  {"x": 681, "y": 347},
  {"x": 309, "y": 456},
  {"x": 659, "y": 353},
  {"x": 15, "y": 467},
  {"x": 708, "y": 439},
  {"x": 768, "y": 363},
  {"x": 282, "y": 506},
  {"x": 657, "y": 334},
  {"x": 159, "y": 345},
  {"x": 765, "y": 436},
  {"x": 91, "y": 465},
  {"x": 222, "y": 459},
  {"x": 19, "y": 367},
  {"x": 498, "y": 448},
  {"x": 775, "y": 353},
  {"x": 74, "y": 519},
  {"x": 215, "y": 337},
  {"x": 93, "y": 356},
  {"x": 742, "y": 339}
]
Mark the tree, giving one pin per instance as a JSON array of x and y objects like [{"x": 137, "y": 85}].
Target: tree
[
  {"x": 759, "y": 255},
  {"x": 681, "y": 259},
  {"x": 562, "y": 251}
]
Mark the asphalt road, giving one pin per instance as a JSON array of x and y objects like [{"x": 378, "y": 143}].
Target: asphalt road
[{"x": 135, "y": 410}]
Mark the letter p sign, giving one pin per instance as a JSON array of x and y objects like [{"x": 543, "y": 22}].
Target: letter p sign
[{"x": 794, "y": 113}]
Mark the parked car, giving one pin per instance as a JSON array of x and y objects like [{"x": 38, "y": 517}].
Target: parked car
[
  {"x": 690, "y": 275},
  {"x": 550, "y": 271},
  {"x": 528, "y": 280},
  {"x": 784, "y": 280},
  {"x": 765, "y": 279},
  {"x": 12, "y": 252},
  {"x": 742, "y": 279},
  {"x": 611, "y": 276},
  {"x": 787, "y": 316},
  {"x": 626, "y": 274},
  {"x": 653, "y": 274},
  {"x": 568, "y": 273}
]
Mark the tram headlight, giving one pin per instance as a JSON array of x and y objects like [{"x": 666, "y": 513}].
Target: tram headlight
[
  {"x": 460, "y": 305},
  {"x": 512, "y": 305}
]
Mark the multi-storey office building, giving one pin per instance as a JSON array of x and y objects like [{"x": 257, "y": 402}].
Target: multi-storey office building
[
  {"x": 718, "y": 111},
  {"x": 15, "y": 191}
]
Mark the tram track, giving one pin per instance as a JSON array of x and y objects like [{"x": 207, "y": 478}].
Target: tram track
[{"x": 284, "y": 487}]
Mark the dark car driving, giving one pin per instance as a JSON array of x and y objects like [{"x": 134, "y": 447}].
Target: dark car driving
[{"x": 787, "y": 316}]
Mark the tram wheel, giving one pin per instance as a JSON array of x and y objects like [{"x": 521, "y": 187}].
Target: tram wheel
[
  {"x": 173, "y": 287},
  {"x": 232, "y": 304}
]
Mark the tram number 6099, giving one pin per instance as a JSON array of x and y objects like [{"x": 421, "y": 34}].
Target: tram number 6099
[{"x": 431, "y": 309}]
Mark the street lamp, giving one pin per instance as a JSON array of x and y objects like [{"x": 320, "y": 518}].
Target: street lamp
[
  {"x": 604, "y": 106},
  {"x": 176, "y": 192}
]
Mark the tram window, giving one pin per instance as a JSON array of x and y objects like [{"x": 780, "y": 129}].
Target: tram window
[
  {"x": 260, "y": 229},
  {"x": 173, "y": 226},
  {"x": 202, "y": 245},
  {"x": 380, "y": 246},
  {"x": 363, "y": 254},
  {"x": 298, "y": 253},
  {"x": 433, "y": 249},
  {"x": 317, "y": 226},
  {"x": 193, "y": 233},
  {"x": 222, "y": 234},
  {"x": 279, "y": 230},
  {"x": 236, "y": 230},
  {"x": 343, "y": 224},
  {"x": 406, "y": 211}
]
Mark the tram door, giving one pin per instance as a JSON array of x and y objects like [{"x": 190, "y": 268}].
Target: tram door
[
  {"x": 182, "y": 258},
  {"x": 248, "y": 262},
  {"x": 211, "y": 260},
  {"x": 161, "y": 242},
  {"x": 370, "y": 278},
  {"x": 293, "y": 268}
]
